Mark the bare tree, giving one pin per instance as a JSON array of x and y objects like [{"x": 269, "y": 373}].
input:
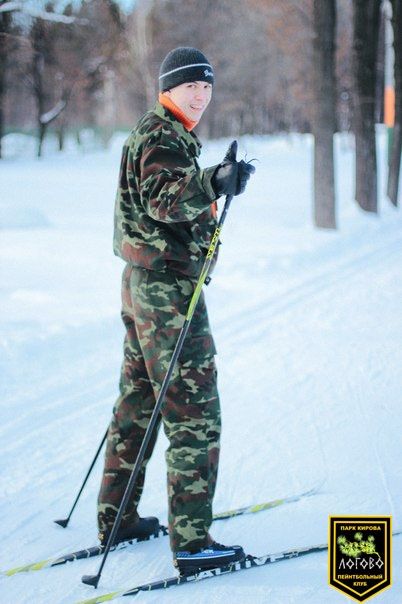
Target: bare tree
[
  {"x": 5, "y": 26},
  {"x": 344, "y": 70},
  {"x": 380, "y": 68},
  {"x": 40, "y": 46},
  {"x": 99, "y": 86},
  {"x": 396, "y": 149},
  {"x": 366, "y": 28},
  {"x": 42, "y": 57},
  {"x": 58, "y": 72},
  {"x": 50, "y": 90},
  {"x": 324, "y": 110},
  {"x": 141, "y": 46},
  {"x": 288, "y": 50}
]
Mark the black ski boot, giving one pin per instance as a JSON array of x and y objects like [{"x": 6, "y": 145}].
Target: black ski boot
[
  {"x": 141, "y": 530},
  {"x": 212, "y": 556}
]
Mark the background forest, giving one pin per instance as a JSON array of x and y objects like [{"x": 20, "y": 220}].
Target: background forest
[{"x": 304, "y": 66}]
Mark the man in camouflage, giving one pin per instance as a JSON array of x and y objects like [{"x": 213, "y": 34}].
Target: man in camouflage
[{"x": 165, "y": 215}]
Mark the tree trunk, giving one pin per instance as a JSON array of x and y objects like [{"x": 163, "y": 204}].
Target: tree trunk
[
  {"x": 366, "y": 27},
  {"x": 324, "y": 113},
  {"x": 396, "y": 149},
  {"x": 41, "y": 137},
  {"x": 37, "y": 67},
  {"x": 380, "y": 70},
  {"x": 60, "y": 137},
  {"x": 143, "y": 43},
  {"x": 5, "y": 21}
]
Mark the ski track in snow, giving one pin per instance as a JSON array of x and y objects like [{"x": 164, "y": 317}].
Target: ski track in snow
[
  {"x": 265, "y": 310},
  {"x": 309, "y": 359}
]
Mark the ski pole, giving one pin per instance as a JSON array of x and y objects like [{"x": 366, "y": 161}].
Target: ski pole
[
  {"x": 94, "y": 579},
  {"x": 63, "y": 522}
]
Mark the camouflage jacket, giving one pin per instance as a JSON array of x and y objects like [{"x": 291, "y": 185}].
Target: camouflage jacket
[{"x": 163, "y": 217}]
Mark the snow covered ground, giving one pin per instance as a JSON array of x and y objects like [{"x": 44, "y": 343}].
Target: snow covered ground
[{"x": 308, "y": 326}]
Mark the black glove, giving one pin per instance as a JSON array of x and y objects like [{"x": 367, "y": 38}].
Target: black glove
[{"x": 231, "y": 176}]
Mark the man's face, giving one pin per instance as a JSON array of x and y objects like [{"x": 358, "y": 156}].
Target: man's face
[{"x": 192, "y": 98}]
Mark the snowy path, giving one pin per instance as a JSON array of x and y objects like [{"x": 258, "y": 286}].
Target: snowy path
[{"x": 308, "y": 327}]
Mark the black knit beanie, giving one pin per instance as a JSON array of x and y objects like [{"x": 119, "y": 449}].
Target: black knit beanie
[{"x": 184, "y": 64}]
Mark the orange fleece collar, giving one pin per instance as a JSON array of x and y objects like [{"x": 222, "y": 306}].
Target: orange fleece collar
[{"x": 167, "y": 102}]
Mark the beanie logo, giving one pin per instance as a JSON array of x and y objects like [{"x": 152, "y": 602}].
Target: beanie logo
[{"x": 208, "y": 73}]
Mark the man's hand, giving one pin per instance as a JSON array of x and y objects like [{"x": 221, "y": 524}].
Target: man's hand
[{"x": 231, "y": 176}]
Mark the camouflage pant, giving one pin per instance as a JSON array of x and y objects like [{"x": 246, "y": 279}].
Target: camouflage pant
[{"x": 154, "y": 307}]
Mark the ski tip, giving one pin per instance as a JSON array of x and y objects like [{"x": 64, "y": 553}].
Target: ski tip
[
  {"x": 26, "y": 568},
  {"x": 315, "y": 490},
  {"x": 99, "y": 599},
  {"x": 62, "y": 522},
  {"x": 91, "y": 580}
]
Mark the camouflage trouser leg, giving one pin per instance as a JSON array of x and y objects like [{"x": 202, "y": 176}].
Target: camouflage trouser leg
[
  {"x": 131, "y": 415},
  {"x": 154, "y": 307}
]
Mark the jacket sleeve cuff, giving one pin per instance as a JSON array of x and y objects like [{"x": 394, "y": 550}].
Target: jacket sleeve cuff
[{"x": 206, "y": 175}]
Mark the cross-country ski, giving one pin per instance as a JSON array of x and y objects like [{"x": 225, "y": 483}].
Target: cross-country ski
[
  {"x": 97, "y": 550},
  {"x": 249, "y": 562}
]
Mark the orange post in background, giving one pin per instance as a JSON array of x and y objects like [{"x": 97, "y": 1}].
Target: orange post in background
[
  {"x": 389, "y": 106},
  {"x": 389, "y": 115}
]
